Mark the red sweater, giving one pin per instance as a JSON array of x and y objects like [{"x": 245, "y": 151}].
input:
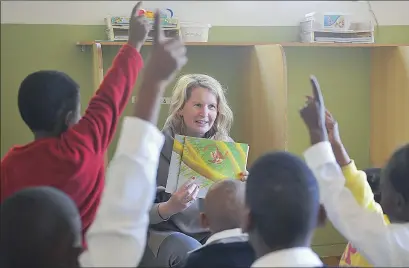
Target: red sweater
[{"x": 74, "y": 162}]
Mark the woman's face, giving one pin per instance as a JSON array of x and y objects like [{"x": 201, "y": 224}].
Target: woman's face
[{"x": 199, "y": 112}]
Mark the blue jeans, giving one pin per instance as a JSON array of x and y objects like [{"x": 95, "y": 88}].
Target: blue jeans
[{"x": 172, "y": 252}]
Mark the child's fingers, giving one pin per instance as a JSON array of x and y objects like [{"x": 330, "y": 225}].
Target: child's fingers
[
  {"x": 135, "y": 10},
  {"x": 316, "y": 90},
  {"x": 158, "y": 35}
]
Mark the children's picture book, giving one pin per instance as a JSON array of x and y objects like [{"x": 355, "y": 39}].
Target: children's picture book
[{"x": 204, "y": 162}]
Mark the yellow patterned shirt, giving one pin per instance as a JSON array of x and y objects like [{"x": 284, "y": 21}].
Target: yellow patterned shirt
[{"x": 355, "y": 181}]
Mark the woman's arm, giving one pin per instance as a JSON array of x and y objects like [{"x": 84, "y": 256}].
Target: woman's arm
[
  {"x": 166, "y": 205},
  {"x": 160, "y": 211}
]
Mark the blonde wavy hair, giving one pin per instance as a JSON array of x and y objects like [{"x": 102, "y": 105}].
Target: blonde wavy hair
[{"x": 181, "y": 94}]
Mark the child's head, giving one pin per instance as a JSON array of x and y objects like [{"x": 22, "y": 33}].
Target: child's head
[
  {"x": 395, "y": 186},
  {"x": 49, "y": 102},
  {"x": 282, "y": 203},
  {"x": 223, "y": 206},
  {"x": 40, "y": 228},
  {"x": 373, "y": 176}
]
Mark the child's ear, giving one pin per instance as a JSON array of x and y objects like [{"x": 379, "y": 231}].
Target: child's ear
[
  {"x": 322, "y": 217},
  {"x": 204, "y": 221},
  {"x": 246, "y": 221},
  {"x": 401, "y": 205}
]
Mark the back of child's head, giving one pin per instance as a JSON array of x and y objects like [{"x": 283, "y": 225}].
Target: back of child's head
[
  {"x": 282, "y": 197},
  {"x": 223, "y": 205},
  {"x": 395, "y": 186},
  {"x": 40, "y": 228},
  {"x": 48, "y": 101},
  {"x": 373, "y": 176}
]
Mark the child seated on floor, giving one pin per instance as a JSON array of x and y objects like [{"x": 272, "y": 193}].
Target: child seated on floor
[
  {"x": 364, "y": 185},
  {"x": 68, "y": 152},
  {"x": 282, "y": 211},
  {"x": 41, "y": 226},
  {"x": 382, "y": 244},
  {"x": 227, "y": 246}
]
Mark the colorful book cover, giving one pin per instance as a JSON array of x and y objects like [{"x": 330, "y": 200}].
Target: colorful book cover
[{"x": 204, "y": 161}]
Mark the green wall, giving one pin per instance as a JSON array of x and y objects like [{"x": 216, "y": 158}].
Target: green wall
[{"x": 344, "y": 74}]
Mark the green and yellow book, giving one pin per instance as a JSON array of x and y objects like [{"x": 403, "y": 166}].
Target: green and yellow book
[{"x": 204, "y": 162}]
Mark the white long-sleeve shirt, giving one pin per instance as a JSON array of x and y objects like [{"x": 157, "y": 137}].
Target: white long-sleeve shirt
[
  {"x": 118, "y": 235},
  {"x": 383, "y": 245}
]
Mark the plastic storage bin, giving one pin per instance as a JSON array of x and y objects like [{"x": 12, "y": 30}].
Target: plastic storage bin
[{"x": 194, "y": 32}]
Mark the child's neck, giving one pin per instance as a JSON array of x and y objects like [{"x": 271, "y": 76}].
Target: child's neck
[
  {"x": 43, "y": 134},
  {"x": 262, "y": 249}
]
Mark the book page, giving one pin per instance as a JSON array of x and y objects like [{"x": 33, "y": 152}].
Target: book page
[
  {"x": 175, "y": 161},
  {"x": 206, "y": 161}
]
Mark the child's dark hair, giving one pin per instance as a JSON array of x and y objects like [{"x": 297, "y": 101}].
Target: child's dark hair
[
  {"x": 373, "y": 176},
  {"x": 283, "y": 197},
  {"x": 44, "y": 99},
  {"x": 397, "y": 170},
  {"x": 33, "y": 221}
]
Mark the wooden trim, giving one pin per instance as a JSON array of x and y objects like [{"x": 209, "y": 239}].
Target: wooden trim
[
  {"x": 389, "y": 102},
  {"x": 266, "y": 76}
]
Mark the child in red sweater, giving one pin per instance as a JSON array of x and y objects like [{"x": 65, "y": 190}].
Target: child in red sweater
[{"x": 68, "y": 152}]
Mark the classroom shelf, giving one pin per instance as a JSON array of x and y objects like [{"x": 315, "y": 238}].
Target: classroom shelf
[
  {"x": 227, "y": 44},
  {"x": 267, "y": 72}
]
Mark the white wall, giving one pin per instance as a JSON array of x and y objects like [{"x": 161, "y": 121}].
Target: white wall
[{"x": 217, "y": 13}]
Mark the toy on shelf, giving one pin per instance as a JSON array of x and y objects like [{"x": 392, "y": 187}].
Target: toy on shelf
[
  {"x": 335, "y": 28},
  {"x": 118, "y": 26}
]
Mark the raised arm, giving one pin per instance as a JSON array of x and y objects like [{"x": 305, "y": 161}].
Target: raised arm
[
  {"x": 95, "y": 130},
  {"x": 117, "y": 237},
  {"x": 366, "y": 230},
  {"x": 355, "y": 180}
]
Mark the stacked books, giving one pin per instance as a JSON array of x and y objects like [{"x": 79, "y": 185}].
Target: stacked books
[{"x": 335, "y": 28}]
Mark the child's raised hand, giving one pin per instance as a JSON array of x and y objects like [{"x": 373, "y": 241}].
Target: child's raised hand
[
  {"x": 332, "y": 128},
  {"x": 138, "y": 28},
  {"x": 313, "y": 114},
  {"x": 168, "y": 55},
  {"x": 331, "y": 125}
]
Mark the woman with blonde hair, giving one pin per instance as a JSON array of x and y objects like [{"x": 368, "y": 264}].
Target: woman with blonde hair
[{"x": 198, "y": 108}]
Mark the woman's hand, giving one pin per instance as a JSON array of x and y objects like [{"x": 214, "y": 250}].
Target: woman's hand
[
  {"x": 180, "y": 200},
  {"x": 243, "y": 175}
]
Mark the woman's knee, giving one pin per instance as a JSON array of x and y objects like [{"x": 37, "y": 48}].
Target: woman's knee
[
  {"x": 175, "y": 248},
  {"x": 181, "y": 242}
]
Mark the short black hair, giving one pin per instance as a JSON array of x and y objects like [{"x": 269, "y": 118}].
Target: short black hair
[
  {"x": 283, "y": 197},
  {"x": 373, "y": 176},
  {"x": 33, "y": 222},
  {"x": 397, "y": 171},
  {"x": 45, "y": 97}
]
